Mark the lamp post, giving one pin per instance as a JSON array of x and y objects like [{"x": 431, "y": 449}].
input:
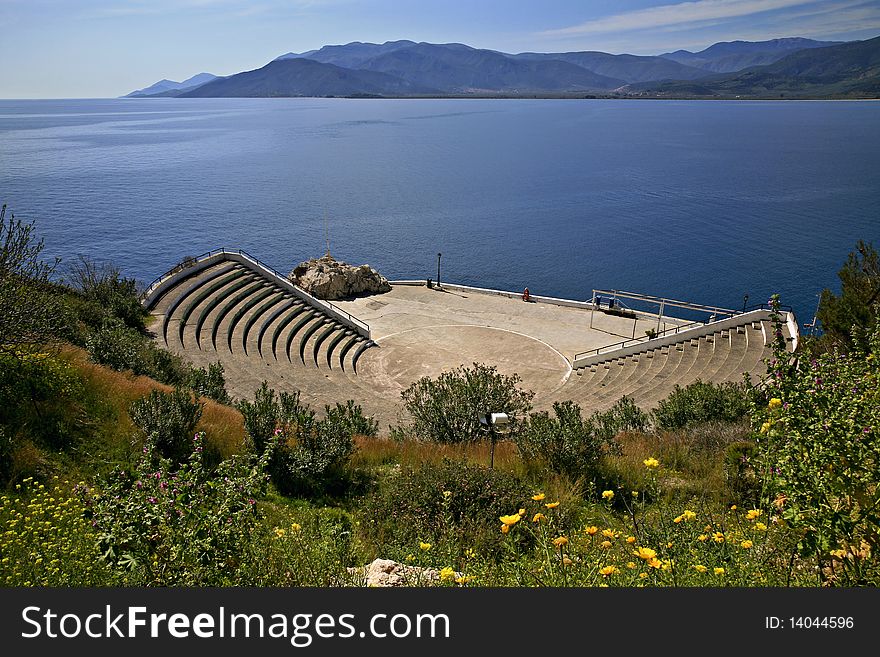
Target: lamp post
[
  {"x": 745, "y": 301},
  {"x": 438, "y": 269}
]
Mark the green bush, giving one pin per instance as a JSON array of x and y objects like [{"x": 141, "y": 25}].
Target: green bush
[
  {"x": 169, "y": 420},
  {"x": 166, "y": 526},
  {"x": 568, "y": 443},
  {"x": 453, "y": 506},
  {"x": 104, "y": 285},
  {"x": 118, "y": 347},
  {"x": 209, "y": 383},
  {"x": 623, "y": 416},
  {"x": 447, "y": 409},
  {"x": 701, "y": 402},
  {"x": 741, "y": 472},
  {"x": 308, "y": 456}
]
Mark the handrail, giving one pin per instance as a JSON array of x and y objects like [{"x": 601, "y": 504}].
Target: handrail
[
  {"x": 244, "y": 254},
  {"x": 631, "y": 341}
]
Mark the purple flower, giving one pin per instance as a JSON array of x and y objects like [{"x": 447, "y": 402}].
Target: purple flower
[{"x": 152, "y": 500}]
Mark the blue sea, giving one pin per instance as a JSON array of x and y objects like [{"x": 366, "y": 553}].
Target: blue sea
[{"x": 705, "y": 201}]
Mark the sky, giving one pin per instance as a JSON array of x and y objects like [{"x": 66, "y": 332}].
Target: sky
[{"x": 106, "y": 48}]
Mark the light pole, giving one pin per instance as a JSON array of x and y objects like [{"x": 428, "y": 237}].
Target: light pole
[
  {"x": 745, "y": 301},
  {"x": 438, "y": 269}
]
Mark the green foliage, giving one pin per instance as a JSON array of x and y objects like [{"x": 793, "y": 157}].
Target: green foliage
[
  {"x": 571, "y": 445},
  {"x": 741, "y": 469},
  {"x": 166, "y": 526},
  {"x": 30, "y": 313},
  {"x": 168, "y": 420},
  {"x": 453, "y": 506},
  {"x": 848, "y": 319},
  {"x": 308, "y": 456},
  {"x": 104, "y": 285},
  {"x": 118, "y": 347},
  {"x": 447, "y": 409},
  {"x": 819, "y": 441},
  {"x": 623, "y": 416},
  {"x": 700, "y": 402},
  {"x": 209, "y": 383}
]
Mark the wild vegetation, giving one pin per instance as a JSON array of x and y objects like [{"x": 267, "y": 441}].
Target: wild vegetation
[{"x": 112, "y": 477}]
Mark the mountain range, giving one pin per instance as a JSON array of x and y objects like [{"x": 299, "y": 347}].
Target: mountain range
[{"x": 790, "y": 67}]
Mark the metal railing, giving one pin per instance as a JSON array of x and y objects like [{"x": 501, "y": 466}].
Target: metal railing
[
  {"x": 631, "y": 341},
  {"x": 186, "y": 264}
]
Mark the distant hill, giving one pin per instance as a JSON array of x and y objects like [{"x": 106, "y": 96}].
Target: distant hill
[
  {"x": 630, "y": 68},
  {"x": 168, "y": 87},
  {"x": 304, "y": 77},
  {"x": 789, "y": 67},
  {"x": 731, "y": 56},
  {"x": 846, "y": 70}
]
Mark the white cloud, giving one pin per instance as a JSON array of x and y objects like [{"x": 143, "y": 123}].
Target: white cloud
[{"x": 680, "y": 14}]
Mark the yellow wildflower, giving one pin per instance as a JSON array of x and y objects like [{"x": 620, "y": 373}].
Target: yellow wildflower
[
  {"x": 776, "y": 402},
  {"x": 719, "y": 571},
  {"x": 631, "y": 565},
  {"x": 538, "y": 517},
  {"x": 607, "y": 494},
  {"x": 279, "y": 532},
  {"x": 752, "y": 514},
  {"x": 591, "y": 530},
  {"x": 840, "y": 554},
  {"x": 718, "y": 537},
  {"x": 295, "y": 526},
  {"x": 643, "y": 575},
  {"x": 470, "y": 553},
  {"x": 552, "y": 505},
  {"x": 605, "y": 544},
  {"x": 746, "y": 544},
  {"x": 510, "y": 520},
  {"x": 607, "y": 571},
  {"x": 655, "y": 563},
  {"x": 424, "y": 546},
  {"x": 522, "y": 512},
  {"x": 630, "y": 539},
  {"x": 559, "y": 542},
  {"x": 688, "y": 515},
  {"x": 609, "y": 533},
  {"x": 651, "y": 462},
  {"x": 447, "y": 494},
  {"x": 464, "y": 579},
  {"x": 760, "y": 526},
  {"x": 447, "y": 573},
  {"x": 410, "y": 557},
  {"x": 645, "y": 553},
  {"x": 505, "y": 529},
  {"x": 733, "y": 507},
  {"x": 700, "y": 569},
  {"x": 539, "y": 497},
  {"x": 766, "y": 427}
]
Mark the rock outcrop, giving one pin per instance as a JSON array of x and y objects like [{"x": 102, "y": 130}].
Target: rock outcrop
[
  {"x": 328, "y": 278},
  {"x": 385, "y": 572}
]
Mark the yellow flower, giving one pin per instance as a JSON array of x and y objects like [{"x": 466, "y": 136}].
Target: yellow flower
[
  {"x": 279, "y": 532},
  {"x": 424, "y": 546},
  {"x": 410, "y": 557},
  {"x": 702, "y": 537},
  {"x": 719, "y": 571},
  {"x": 538, "y": 517},
  {"x": 539, "y": 497},
  {"x": 688, "y": 515},
  {"x": 607, "y": 571},
  {"x": 470, "y": 553},
  {"x": 605, "y": 544},
  {"x": 766, "y": 427},
  {"x": 591, "y": 530},
  {"x": 760, "y": 526},
  {"x": 733, "y": 507},
  {"x": 754, "y": 513},
  {"x": 447, "y": 573},
  {"x": 522, "y": 512},
  {"x": 607, "y": 494},
  {"x": 645, "y": 553},
  {"x": 643, "y": 575},
  {"x": 840, "y": 554},
  {"x": 464, "y": 579},
  {"x": 505, "y": 529},
  {"x": 609, "y": 533},
  {"x": 746, "y": 544},
  {"x": 631, "y": 565},
  {"x": 447, "y": 494},
  {"x": 559, "y": 542},
  {"x": 635, "y": 493},
  {"x": 718, "y": 537},
  {"x": 776, "y": 402},
  {"x": 651, "y": 462},
  {"x": 655, "y": 563},
  {"x": 295, "y": 527},
  {"x": 552, "y": 505},
  {"x": 700, "y": 569},
  {"x": 630, "y": 539},
  {"x": 510, "y": 520}
]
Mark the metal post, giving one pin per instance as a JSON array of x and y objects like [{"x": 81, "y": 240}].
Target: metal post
[
  {"x": 438, "y": 269},
  {"x": 492, "y": 447},
  {"x": 593, "y": 309},
  {"x": 660, "y": 316}
]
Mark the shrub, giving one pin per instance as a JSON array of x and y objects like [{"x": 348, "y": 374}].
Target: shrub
[
  {"x": 819, "y": 442},
  {"x": 741, "y": 471},
  {"x": 209, "y": 383},
  {"x": 447, "y": 409},
  {"x": 568, "y": 443},
  {"x": 454, "y": 504},
  {"x": 104, "y": 285},
  {"x": 308, "y": 456},
  {"x": 161, "y": 526},
  {"x": 623, "y": 416},
  {"x": 118, "y": 347},
  {"x": 701, "y": 402},
  {"x": 168, "y": 419}
]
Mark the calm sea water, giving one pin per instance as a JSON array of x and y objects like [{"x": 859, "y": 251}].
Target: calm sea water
[{"x": 702, "y": 201}]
